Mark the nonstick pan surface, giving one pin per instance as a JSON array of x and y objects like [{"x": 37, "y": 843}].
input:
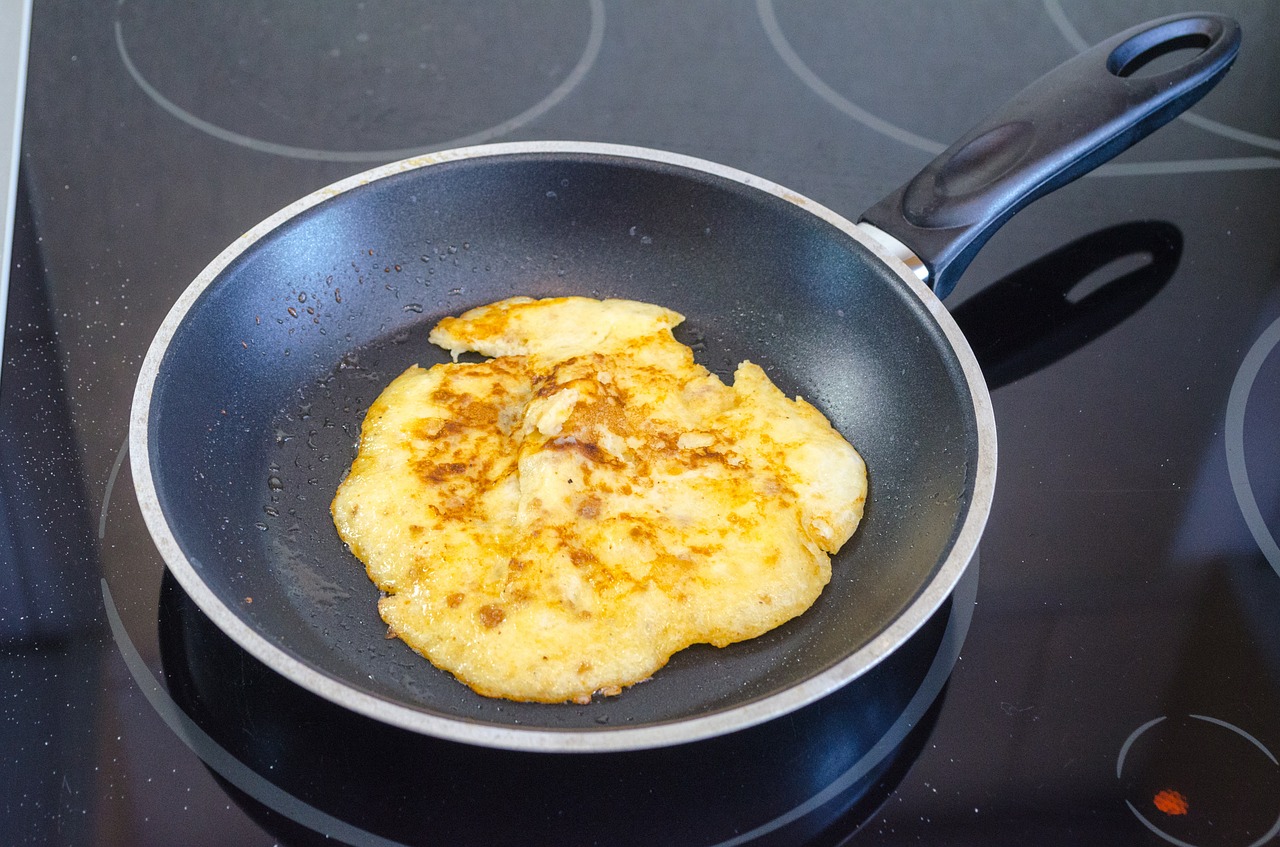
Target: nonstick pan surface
[
  {"x": 250, "y": 400},
  {"x": 251, "y": 404}
]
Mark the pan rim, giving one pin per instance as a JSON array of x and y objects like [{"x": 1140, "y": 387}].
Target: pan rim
[{"x": 665, "y": 734}]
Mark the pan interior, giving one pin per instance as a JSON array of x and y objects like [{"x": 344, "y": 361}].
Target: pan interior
[{"x": 259, "y": 398}]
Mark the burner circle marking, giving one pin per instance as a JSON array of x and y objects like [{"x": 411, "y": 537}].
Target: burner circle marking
[
  {"x": 111, "y": 485},
  {"x": 217, "y": 757},
  {"x": 1133, "y": 736},
  {"x": 1241, "y": 387},
  {"x": 769, "y": 20},
  {"x": 764, "y": 9},
  {"x": 594, "y": 41},
  {"x": 1077, "y": 41}
]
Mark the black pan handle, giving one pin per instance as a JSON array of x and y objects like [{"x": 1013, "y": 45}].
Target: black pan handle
[{"x": 1068, "y": 122}]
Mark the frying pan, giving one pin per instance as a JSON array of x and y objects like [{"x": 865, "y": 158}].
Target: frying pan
[{"x": 250, "y": 399}]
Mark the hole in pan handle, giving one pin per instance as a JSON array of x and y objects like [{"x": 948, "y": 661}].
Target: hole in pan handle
[{"x": 1072, "y": 119}]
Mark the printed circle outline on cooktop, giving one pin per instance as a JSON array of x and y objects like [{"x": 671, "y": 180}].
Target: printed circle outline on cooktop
[
  {"x": 583, "y": 65},
  {"x": 778, "y": 40},
  {"x": 1234, "y": 435},
  {"x": 1169, "y": 799},
  {"x": 1078, "y": 42}
]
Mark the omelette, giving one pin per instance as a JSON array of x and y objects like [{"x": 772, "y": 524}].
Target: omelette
[{"x": 558, "y": 520}]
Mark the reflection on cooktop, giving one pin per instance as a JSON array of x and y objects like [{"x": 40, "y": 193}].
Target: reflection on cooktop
[{"x": 301, "y": 765}]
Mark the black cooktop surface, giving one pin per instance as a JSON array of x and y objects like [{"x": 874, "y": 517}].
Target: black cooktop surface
[{"x": 1107, "y": 671}]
